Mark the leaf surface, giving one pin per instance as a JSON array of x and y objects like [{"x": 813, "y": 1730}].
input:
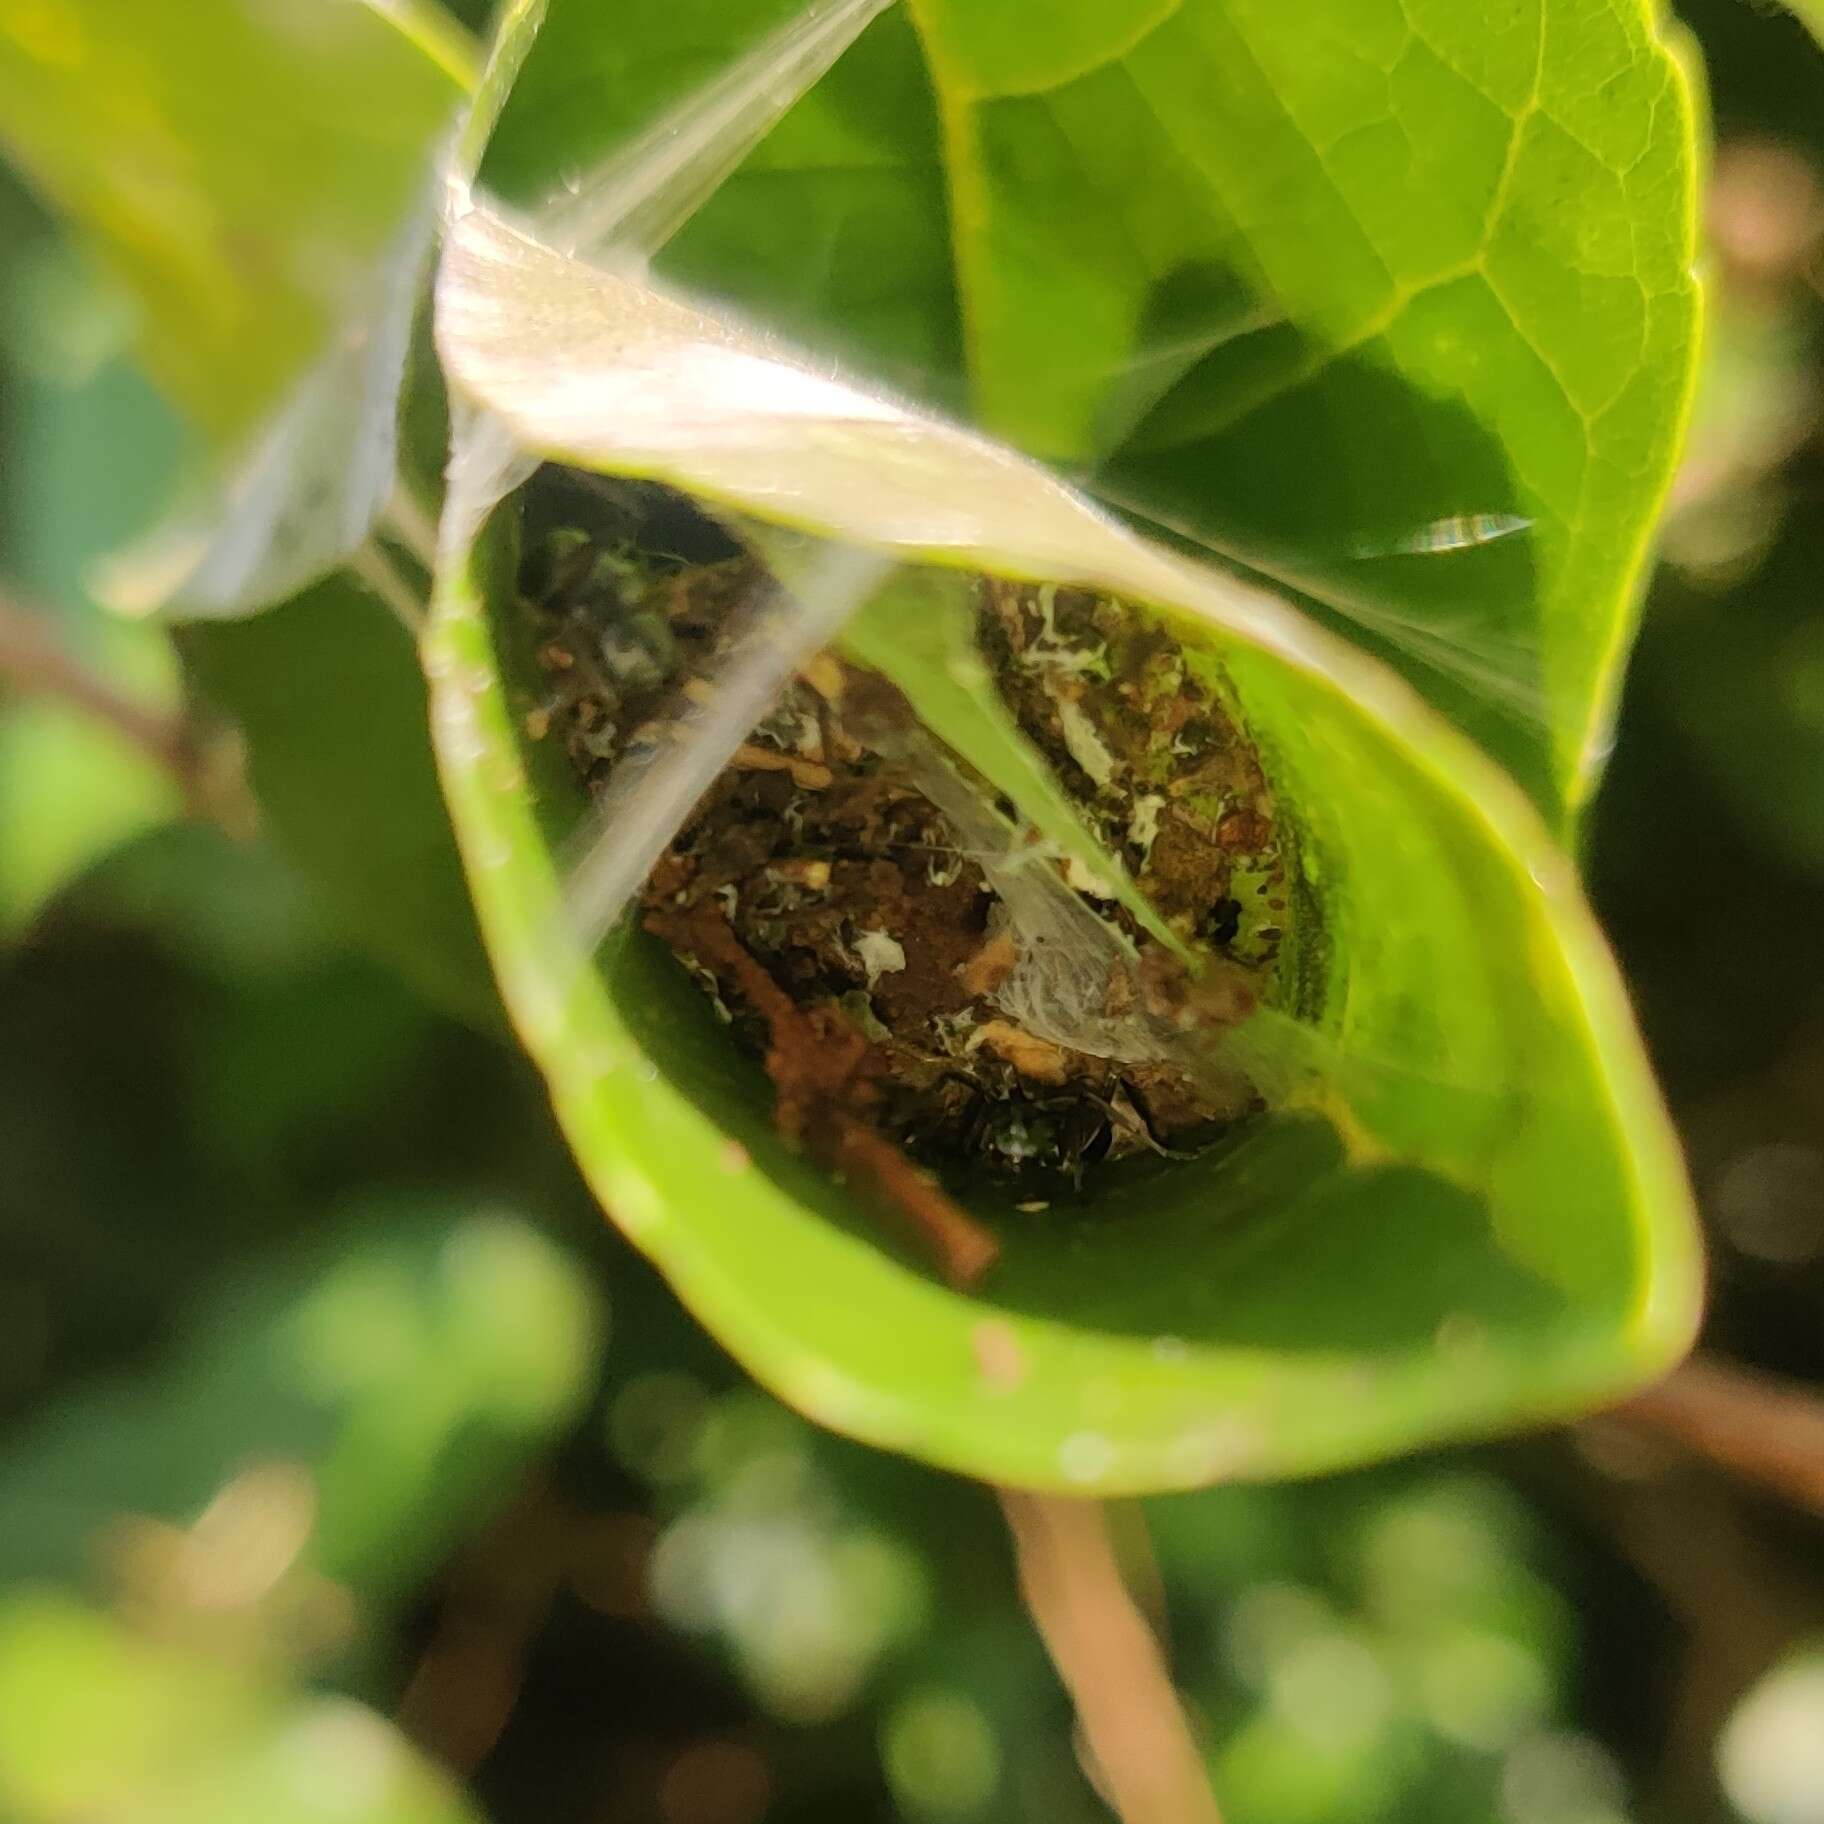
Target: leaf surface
[
  {"x": 263, "y": 178},
  {"x": 327, "y": 692},
  {"x": 1391, "y": 303}
]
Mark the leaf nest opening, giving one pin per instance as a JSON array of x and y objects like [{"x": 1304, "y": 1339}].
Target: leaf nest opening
[{"x": 857, "y": 903}]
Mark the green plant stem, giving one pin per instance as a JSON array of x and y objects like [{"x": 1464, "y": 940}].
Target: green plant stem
[
  {"x": 379, "y": 573},
  {"x": 407, "y": 522},
  {"x": 1137, "y": 1744}
]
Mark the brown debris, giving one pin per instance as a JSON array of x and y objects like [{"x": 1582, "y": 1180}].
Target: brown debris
[
  {"x": 826, "y": 1076},
  {"x": 990, "y": 966},
  {"x": 807, "y": 773},
  {"x": 1244, "y": 830},
  {"x": 862, "y": 952},
  {"x": 1030, "y": 1055}
]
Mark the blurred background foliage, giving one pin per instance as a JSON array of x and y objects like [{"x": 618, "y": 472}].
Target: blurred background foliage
[{"x": 350, "y": 1469}]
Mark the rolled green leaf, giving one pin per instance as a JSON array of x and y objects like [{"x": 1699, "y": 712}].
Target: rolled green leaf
[{"x": 1465, "y": 1209}]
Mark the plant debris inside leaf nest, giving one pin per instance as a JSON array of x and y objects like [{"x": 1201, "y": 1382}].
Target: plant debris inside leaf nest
[{"x": 819, "y": 866}]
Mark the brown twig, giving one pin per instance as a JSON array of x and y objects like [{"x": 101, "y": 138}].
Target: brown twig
[
  {"x": 1765, "y": 1430},
  {"x": 821, "y": 1068},
  {"x": 1135, "y": 1733},
  {"x": 34, "y": 662}
]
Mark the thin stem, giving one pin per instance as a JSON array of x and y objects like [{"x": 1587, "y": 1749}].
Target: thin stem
[
  {"x": 1765, "y": 1430},
  {"x": 34, "y": 662},
  {"x": 1137, "y": 1742},
  {"x": 376, "y": 570},
  {"x": 407, "y": 523},
  {"x": 822, "y": 1073}
]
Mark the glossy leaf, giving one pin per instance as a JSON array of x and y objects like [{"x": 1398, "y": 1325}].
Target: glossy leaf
[
  {"x": 263, "y": 178},
  {"x": 1467, "y": 1210},
  {"x": 1392, "y": 303}
]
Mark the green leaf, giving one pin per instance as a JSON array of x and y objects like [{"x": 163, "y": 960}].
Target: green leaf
[
  {"x": 327, "y": 692},
  {"x": 262, "y": 177},
  {"x": 71, "y": 790},
  {"x": 85, "y": 442},
  {"x": 1467, "y": 1210},
  {"x": 835, "y": 228},
  {"x": 100, "y": 1720},
  {"x": 1391, "y": 303},
  {"x": 178, "y": 146},
  {"x": 405, "y": 1369}
]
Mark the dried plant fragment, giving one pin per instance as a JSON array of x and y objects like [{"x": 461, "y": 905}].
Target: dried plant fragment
[{"x": 848, "y": 884}]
